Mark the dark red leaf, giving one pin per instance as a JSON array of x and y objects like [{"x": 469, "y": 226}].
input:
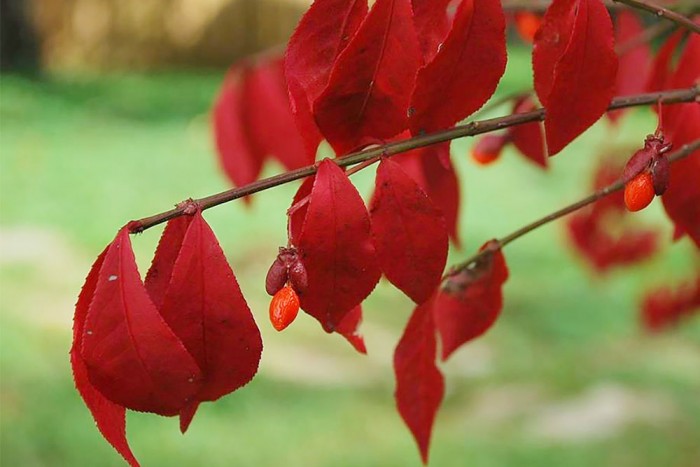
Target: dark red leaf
[
  {"x": 297, "y": 212},
  {"x": 321, "y": 35},
  {"x": 349, "y": 329},
  {"x": 575, "y": 67},
  {"x": 205, "y": 308},
  {"x": 432, "y": 25},
  {"x": 161, "y": 270},
  {"x": 661, "y": 68},
  {"x": 240, "y": 158},
  {"x": 370, "y": 86},
  {"x": 634, "y": 63},
  {"x": 409, "y": 233},
  {"x": 110, "y": 418},
  {"x": 132, "y": 357},
  {"x": 682, "y": 124},
  {"x": 336, "y": 248},
  {"x": 268, "y": 113},
  {"x": 474, "y": 52},
  {"x": 663, "y": 307},
  {"x": 471, "y": 301},
  {"x": 528, "y": 138},
  {"x": 419, "y": 384}
]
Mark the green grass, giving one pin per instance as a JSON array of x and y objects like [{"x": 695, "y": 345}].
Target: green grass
[{"x": 83, "y": 155}]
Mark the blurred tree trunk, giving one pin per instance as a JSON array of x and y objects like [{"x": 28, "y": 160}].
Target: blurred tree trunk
[{"x": 18, "y": 46}]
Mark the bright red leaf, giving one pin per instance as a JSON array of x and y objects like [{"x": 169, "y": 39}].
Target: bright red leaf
[
  {"x": 336, "y": 248},
  {"x": 158, "y": 276},
  {"x": 205, "y": 308},
  {"x": 471, "y": 301},
  {"x": 132, "y": 357},
  {"x": 270, "y": 118},
  {"x": 110, "y": 418},
  {"x": 323, "y": 32},
  {"x": 409, "y": 233},
  {"x": 465, "y": 72},
  {"x": 661, "y": 68},
  {"x": 575, "y": 67},
  {"x": 369, "y": 88},
  {"x": 634, "y": 63},
  {"x": 419, "y": 384},
  {"x": 528, "y": 138},
  {"x": 432, "y": 25},
  {"x": 240, "y": 158}
]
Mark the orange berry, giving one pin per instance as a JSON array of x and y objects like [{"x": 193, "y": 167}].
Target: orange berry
[
  {"x": 488, "y": 148},
  {"x": 527, "y": 24},
  {"x": 639, "y": 192},
  {"x": 284, "y": 307}
]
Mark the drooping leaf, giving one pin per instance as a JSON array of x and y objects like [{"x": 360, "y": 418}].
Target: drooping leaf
[
  {"x": 206, "y": 310},
  {"x": 336, "y": 248},
  {"x": 270, "y": 117},
  {"x": 432, "y": 169},
  {"x": 432, "y": 25},
  {"x": 528, "y": 138},
  {"x": 634, "y": 63},
  {"x": 239, "y": 156},
  {"x": 110, "y": 418},
  {"x": 297, "y": 211},
  {"x": 663, "y": 307},
  {"x": 661, "y": 67},
  {"x": 682, "y": 125},
  {"x": 132, "y": 357},
  {"x": 419, "y": 383},
  {"x": 409, "y": 233},
  {"x": 466, "y": 70},
  {"x": 470, "y": 301},
  {"x": 323, "y": 32},
  {"x": 161, "y": 270},
  {"x": 575, "y": 67},
  {"x": 369, "y": 88},
  {"x": 349, "y": 329}
]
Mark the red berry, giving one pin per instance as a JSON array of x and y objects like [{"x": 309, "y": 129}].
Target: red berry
[
  {"x": 639, "y": 192},
  {"x": 527, "y": 24},
  {"x": 284, "y": 308}
]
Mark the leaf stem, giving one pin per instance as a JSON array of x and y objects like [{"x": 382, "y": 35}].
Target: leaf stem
[
  {"x": 474, "y": 128},
  {"x": 662, "y": 12},
  {"x": 618, "y": 185}
]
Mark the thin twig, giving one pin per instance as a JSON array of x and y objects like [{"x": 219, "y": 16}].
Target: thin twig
[
  {"x": 662, "y": 12},
  {"x": 470, "y": 129},
  {"x": 681, "y": 153}
]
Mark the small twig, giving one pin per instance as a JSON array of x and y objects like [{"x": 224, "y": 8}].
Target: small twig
[
  {"x": 470, "y": 129},
  {"x": 681, "y": 153},
  {"x": 662, "y": 12}
]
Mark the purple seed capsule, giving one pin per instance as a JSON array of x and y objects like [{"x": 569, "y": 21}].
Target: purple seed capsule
[{"x": 276, "y": 277}]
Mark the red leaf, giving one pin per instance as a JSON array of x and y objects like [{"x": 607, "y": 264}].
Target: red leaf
[
  {"x": 270, "y": 118},
  {"x": 635, "y": 63},
  {"x": 297, "y": 212},
  {"x": 661, "y": 68},
  {"x": 432, "y": 169},
  {"x": 471, "y": 301},
  {"x": 432, "y": 25},
  {"x": 110, "y": 418},
  {"x": 474, "y": 52},
  {"x": 409, "y": 233},
  {"x": 528, "y": 137},
  {"x": 419, "y": 383},
  {"x": 682, "y": 123},
  {"x": 575, "y": 67},
  {"x": 321, "y": 35},
  {"x": 663, "y": 307},
  {"x": 369, "y": 88},
  {"x": 240, "y": 159},
  {"x": 349, "y": 329},
  {"x": 205, "y": 308},
  {"x": 132, "y": 357},
  {"x": 336, "y": 248},
  {"x": 161, "y": 270}
]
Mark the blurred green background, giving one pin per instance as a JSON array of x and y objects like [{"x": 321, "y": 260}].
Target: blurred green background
[{"x": 565, "y": 378}]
